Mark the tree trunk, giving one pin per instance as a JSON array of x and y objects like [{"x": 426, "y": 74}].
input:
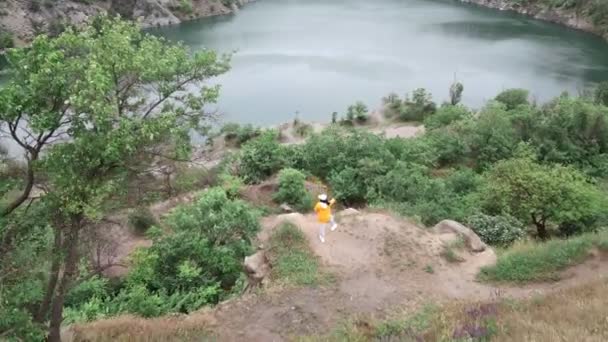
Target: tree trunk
[
  {"x": 29, "y": 185},
  {"x": 53, "y": 277},
  {"x": 542, "y": 231},
  {"x": 71, "y": 247}
]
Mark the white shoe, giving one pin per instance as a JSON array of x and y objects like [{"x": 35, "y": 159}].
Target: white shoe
[
  {"x": 322, "y": 238},
  {"x": 334, "y": 227}
]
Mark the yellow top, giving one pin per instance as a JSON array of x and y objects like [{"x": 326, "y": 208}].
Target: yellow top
[{"x": 324, "y": 211}]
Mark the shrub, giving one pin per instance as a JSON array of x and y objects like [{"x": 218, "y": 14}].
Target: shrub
[
  {"x": 186, "y": 6},
  {"x": 456, "y": 90},
  {"x": 336, "y": 149},
  {"x": 6, "y": 40},
  {"x": 197, "y": 264},
  {"x": 292, "y": 190},
  {"x": 392, "y": 105},
  {"x": 513, "y": 98},
  {"x": 141, "y": 219},
  {"x": 303, "y": 129},
  {"x": 601, "y": 93},
  {"x": 260, "y": 158},
  {"x": 357, "y": 112},
  {"x": 232, "y": 185},
  {"x": 419, "y": 107},
  {"x": 463, "y": 181},
  {"x": 238, "y": 135},
  {"x": 497, "y": 230},
  {"x": 348, "y": 186},
  {"x": 140, "y": 301},
  {"x": 445, "y": 115},
  {"x": 191, "y": 178}
]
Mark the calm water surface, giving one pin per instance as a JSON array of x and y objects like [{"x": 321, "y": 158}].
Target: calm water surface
[{"x": 314, "y": 57}]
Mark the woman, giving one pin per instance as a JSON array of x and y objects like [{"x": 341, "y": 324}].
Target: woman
[{"x": 323, "y": 210}]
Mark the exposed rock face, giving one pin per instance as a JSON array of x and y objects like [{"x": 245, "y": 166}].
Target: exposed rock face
[
  {"x": 257, "y": 268},
  {"x": 26, "y": 18},
  {"x": 447, "y": 227},
  {"x": 569, "y": 18}
]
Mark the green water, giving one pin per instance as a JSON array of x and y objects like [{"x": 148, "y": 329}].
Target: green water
[{"x": 318, "y": 56}]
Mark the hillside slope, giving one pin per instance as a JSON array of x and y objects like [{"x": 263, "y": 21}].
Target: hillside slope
[
  {"x": 23, "y": 19},
  {"x": 586, "y": 15},
  {"x": 381, "y": 264}
]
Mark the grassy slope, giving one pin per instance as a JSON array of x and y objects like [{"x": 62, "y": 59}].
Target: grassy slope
[
  {"x": 533, "y": 261},
  {"x": 293, "y": 261}
]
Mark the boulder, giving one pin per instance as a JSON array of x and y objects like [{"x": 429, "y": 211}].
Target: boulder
[
  {"x": 286, "y": 208},
  {"x": 348, "y": 212},
  {"x": 471, "y": 239},
  {"x": 257, "y": 268}
]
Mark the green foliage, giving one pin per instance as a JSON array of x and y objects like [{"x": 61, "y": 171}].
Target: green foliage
[
  {"x": 392, "y": 105},
  {"x": 6, "y": 40},
  {"x": 231, "y": 184},
  {"x": 23, "y": 268},
  {"x": 410, "y": 190},
  {"x": 445, "y": 115},
  {"x": 419, "y": 107},
  {"x": 292, "y": 190},
  {"x": 357, "y": 113},
  {"x": 303, "y": 129},
  {"x": 541, "y": 261},
  {"x": 512, "y": 98},
  {"x": 261, "y": 158},
  {"x": 497, "y": 230},
  {"x": 185, "y": 6},
  {"x": 82, "y": 292},
  {"x": 601, "y": 93},
  {"x": 493, "y": 136},
  {"x": 456, "y": 90},
  {"x": 196, "y": 265},
  {"x": 291, "y": 258},
  {"x": 541, "y": 195},
  {"x": 574, "y": 131},
  {"x": 141, "y": 219},
  {"x": 93, "y": 87},
  {"x": 188, "y": 179},
  {"x": 336, "y": 149},
  {"x": 238, "y": 135}
]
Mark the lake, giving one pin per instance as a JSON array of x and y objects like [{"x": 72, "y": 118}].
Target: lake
[{"x": 314, "y": 57}]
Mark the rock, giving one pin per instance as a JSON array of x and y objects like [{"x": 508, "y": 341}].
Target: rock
[
  {"x": 257, "y": 268},
  {"x": 286, "y": 208},
  {"x": 473, "y": 241},
  {"x": 348, "y": 212}
]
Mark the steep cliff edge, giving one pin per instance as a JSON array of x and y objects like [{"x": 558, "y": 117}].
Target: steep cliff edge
[
  {"x": 21, "y": 20},
  {"x": 586, "y": 15}
]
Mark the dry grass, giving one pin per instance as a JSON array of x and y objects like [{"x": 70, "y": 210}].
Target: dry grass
[
  {"x": 577, "y": 314},
  {"x": 195, "y": 327}
]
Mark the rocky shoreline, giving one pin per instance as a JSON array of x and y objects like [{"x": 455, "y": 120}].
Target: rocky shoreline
[
  {"x": 568, "y": 18},
  {"x": 24, "y": 19}
]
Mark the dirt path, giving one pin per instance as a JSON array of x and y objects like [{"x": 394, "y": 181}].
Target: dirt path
[{"x": 382, "y": 264}]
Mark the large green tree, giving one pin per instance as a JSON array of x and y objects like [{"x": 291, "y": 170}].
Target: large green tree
[
  {"x": 545, "y": 196},
  {"x": 94, "y": 100}
]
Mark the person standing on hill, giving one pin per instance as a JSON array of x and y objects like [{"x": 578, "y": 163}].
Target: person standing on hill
[{"x": 323, "y": 210}]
